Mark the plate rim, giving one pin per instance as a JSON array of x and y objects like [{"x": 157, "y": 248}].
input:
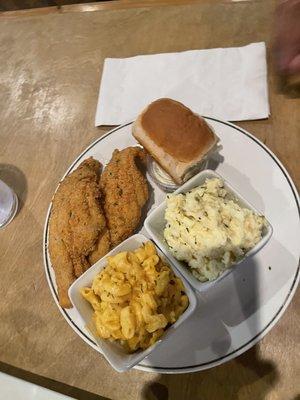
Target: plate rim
[{"x": 219, "y": 360}]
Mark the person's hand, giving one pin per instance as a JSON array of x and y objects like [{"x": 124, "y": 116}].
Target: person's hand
[{"x": 287, "y": 37}]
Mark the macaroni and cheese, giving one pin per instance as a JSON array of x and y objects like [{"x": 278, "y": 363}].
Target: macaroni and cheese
[{"x": 135, "y": 298}]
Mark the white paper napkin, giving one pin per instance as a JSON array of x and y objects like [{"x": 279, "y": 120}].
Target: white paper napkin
[{"x": 226, "y": 83}]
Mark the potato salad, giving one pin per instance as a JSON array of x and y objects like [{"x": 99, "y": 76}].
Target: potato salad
[{"x": 209, "y": 230}]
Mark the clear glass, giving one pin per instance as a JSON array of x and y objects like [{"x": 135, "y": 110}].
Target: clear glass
[{"x": 8, "y": 204}]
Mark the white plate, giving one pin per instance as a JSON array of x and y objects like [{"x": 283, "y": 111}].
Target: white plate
[
  {"x": 155, "y": 224},
  {"x": 115, "y": 355},
  {"x": 238, "y": 312}
]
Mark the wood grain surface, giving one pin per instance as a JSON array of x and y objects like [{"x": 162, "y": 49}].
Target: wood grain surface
[{"x": 49, "y": 78}]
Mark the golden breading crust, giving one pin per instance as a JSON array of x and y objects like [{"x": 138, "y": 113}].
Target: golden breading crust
[
  {"x": 76, "y": 223},
  {"x": 125, "y": 192}
]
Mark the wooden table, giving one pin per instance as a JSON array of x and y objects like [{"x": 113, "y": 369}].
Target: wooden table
[{"x": 51, "y": 62}]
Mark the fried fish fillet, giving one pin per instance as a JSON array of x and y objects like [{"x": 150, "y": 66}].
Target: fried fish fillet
[
  {"x": 125, "y": 192},
  {"x": 102, "y": 246},
  {"x": 76, "y": 223}
]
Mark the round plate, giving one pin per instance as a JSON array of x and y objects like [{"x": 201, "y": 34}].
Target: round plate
[{"x": 239, "y": 311}]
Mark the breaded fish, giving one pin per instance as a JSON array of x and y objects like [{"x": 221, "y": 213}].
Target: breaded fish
[
  {"x": 125, "y": 192},
  {"x": 76, "y": 223},
  {"x": 102, "y": 246}
]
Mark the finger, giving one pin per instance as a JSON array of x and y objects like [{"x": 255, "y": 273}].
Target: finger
[
  {"x": 284, "y": 60},
  {"x": 294, "y": 65}
]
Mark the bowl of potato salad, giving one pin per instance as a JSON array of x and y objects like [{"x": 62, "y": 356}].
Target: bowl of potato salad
[
  {"x": 206, "y": 228},
  {"x": 132, "y": 300}
]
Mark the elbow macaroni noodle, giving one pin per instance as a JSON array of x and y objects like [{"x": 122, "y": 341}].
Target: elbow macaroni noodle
[{"x": 135, "y": 298}]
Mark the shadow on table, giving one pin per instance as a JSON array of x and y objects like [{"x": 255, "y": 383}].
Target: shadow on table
[
  {"x": 16, "y": 180},
  {"x": 289, "y": 86},
  {"x": 247, "y": 376},
  {"x": 51, "y": 384}
]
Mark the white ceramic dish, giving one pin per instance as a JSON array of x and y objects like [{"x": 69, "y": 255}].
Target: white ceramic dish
[
  {"x": 155, "y": 224},
  {"x": 115, "y": 355},
  {"x": 238, "y": 312}
]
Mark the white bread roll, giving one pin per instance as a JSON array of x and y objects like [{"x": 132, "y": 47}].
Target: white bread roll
[{"x": 176, "y": 138}]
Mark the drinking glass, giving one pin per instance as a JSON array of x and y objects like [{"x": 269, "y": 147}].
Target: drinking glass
[{"x": 8, "y": 204}]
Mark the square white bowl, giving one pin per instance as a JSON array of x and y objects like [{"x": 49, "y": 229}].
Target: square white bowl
[
  {"x": 155, "y": 224},
  {"x": 113, "y": 352}
]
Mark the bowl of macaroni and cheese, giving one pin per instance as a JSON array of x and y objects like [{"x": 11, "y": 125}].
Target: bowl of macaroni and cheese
[
  {"x": 206, "y": 228},
  {"x": 131, "y": 300}
]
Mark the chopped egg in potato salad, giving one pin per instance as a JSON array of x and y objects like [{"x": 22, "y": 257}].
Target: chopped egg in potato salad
[{"x": 209, "y": 230}]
